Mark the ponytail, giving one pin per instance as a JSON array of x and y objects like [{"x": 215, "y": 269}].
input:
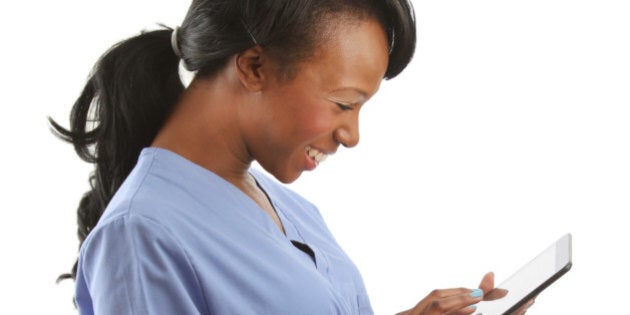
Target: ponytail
[{"x": 128, "y": 96}]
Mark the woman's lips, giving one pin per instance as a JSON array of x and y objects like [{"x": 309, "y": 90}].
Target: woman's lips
[{"x": 314, "y": 157}]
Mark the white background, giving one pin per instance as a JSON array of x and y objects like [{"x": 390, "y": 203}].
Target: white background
[{"x": 510, "y": 128}]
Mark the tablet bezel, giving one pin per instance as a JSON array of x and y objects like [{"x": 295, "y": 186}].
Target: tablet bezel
[{"x": 564, "y": 261}]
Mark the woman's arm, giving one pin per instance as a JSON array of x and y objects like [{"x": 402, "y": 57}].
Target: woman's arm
[{"x": 133, "y": 265}]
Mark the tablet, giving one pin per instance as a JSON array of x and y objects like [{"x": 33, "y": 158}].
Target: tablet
[{"x": 529, "y": 281}]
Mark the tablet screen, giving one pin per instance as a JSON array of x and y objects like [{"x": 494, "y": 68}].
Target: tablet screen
[{"x": 530, "y": 280}]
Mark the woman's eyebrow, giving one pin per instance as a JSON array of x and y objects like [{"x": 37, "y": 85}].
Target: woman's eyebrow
[{"x": 363, "y": 95}]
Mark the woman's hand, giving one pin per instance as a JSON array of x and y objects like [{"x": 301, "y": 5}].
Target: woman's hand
[
  {"x": 461, "y": 301},
  {"x": 491, "y": 293},
  {"x": 458, "y": 301},
  {"x": 521, "y": 310}
]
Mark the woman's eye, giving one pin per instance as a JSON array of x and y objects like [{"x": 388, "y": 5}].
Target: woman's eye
[{"x": 344, "y": 106}]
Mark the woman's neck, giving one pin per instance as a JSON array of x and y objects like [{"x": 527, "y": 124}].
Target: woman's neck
[{"x": 204, "y": 128}]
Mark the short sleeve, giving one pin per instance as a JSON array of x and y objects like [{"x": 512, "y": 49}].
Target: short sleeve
[{"x": 134, "y": 265}]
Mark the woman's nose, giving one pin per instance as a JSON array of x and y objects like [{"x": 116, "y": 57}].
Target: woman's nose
[{"x": 348, "y": 133}]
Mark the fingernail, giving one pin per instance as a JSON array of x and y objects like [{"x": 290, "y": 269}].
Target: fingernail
[
  {"x": 476, "y": 293},
  {"x": 474, "y": 306}
]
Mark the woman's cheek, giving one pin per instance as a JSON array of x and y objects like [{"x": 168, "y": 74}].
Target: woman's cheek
[{"x": 317, "y": 123}]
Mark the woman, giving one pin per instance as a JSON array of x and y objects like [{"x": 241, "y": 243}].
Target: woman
[{"x": 176, "y": 221}]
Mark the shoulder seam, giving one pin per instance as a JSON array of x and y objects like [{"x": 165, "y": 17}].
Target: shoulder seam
[{"x": 177, "y": 243}]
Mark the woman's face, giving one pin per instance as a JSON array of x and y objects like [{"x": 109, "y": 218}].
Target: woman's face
[{"x": 299, "y": 122}]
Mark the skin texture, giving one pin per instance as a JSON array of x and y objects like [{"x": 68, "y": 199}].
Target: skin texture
[{"x": 250, "y": 112}]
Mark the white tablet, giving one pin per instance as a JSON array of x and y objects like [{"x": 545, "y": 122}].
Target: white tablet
[{"x": 529, "y": 281}]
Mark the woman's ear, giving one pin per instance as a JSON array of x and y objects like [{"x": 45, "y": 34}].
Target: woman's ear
[{"x": 251, "y": 68}]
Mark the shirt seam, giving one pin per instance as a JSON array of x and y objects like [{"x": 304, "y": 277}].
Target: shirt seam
[
  {"x": 181, "y": 248},
  {"x": 166, "y": 229},
  {"x": 100, "y": 224},
  {"x": 129, "y": 215}
]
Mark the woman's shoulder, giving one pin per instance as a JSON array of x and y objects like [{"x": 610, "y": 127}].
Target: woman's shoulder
[{"x": 160, "y": 186}]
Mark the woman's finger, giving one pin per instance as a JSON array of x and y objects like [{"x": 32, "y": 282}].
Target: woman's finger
[
  {"x": 443, "y": 293},
  {"x": 487, "y": 282},
  {"x": 454, "y": 304},
  {"x": 521, "y": 310},
  {"x": 495, "y": 294},
  {"x": 464, "y": 311},
  {"x": 436, "y": 295}
]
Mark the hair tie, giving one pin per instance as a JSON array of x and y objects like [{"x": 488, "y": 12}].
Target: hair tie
[{"x": 175, "y": 44}]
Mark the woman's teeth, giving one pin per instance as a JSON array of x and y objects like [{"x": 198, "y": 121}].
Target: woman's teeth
[{"x": 316, "y": 155}]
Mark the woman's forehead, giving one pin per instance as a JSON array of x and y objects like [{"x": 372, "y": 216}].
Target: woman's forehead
[{"x": 355, "y": 56}]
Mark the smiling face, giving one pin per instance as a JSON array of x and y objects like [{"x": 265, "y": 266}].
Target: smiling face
[{"x": 299, "y": 121}]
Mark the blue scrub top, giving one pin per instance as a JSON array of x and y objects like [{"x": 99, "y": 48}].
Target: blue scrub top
[{"x": 178, "y": 239}]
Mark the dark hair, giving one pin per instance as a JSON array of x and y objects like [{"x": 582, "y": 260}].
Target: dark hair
[{"x": 135, "y": 85}]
